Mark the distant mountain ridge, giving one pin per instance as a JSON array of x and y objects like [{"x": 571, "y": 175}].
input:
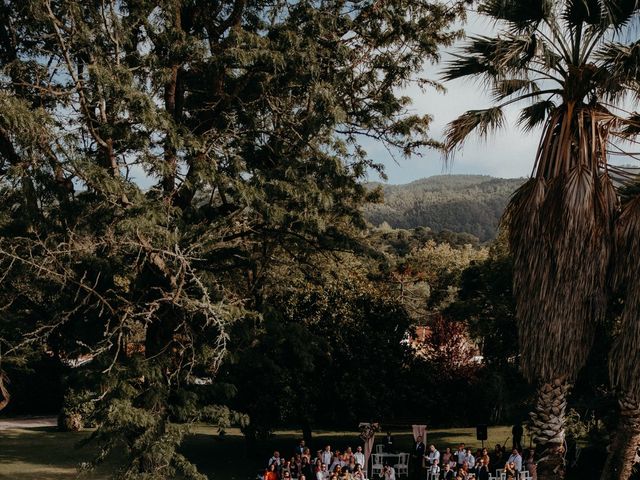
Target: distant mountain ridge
[{"x": 460, "y": 203}]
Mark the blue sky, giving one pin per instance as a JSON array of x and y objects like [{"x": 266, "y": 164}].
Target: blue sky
[{"x": 509, "y": 153}]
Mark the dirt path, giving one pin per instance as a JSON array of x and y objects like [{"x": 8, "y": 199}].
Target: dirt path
[{"x": 27, "y": 422}]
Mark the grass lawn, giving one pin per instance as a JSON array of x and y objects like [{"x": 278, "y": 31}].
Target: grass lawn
[{"x": 45, "y": 454}]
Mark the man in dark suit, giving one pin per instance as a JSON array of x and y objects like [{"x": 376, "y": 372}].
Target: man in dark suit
[
  {"x": 388, "y": 443},
  {"x": 417, "y": 457}
]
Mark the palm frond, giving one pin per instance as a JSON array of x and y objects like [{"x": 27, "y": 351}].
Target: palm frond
[
  {"x": 518, "y": 14},
  {"x": 631, "y": 126},
  {"x": 505, "y": 88},
  {"x": 582, "y": 11},
  {"x": 493, "y": 57},
  {"x": 535, "y": 114},
  {"x": 618, "y": 14},
  {"x": 621, "y": 62},
  {"x": 560, "y": 226},
  {"x": 482, "y": 122},
  {"x": 468, "y": 65}
]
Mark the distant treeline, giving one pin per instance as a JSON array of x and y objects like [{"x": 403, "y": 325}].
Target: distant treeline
[{"x": 460, "y": 203}]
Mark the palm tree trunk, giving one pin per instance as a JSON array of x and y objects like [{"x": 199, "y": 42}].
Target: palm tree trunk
[
  {"x": 547, "y": 429},
  {"x": 622, "y": 450}
]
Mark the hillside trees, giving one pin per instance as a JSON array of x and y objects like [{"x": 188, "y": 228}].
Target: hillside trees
[{"x": 158, "y": 159}]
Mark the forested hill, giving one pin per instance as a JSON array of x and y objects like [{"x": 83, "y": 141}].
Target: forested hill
[{"x": 460, "y": 203}]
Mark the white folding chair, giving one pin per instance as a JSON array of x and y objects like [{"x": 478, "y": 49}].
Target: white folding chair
[
  {"x": 402, "y": 467},
  {"x": 377, "y": 466},
  {"x": 379, "y": 448},
  {"x": 524, "y": 475}
]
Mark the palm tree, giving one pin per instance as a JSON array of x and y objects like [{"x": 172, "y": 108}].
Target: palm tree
[
  {"x": 625, "y": 352},
  {"x": 572, "y": 65}
]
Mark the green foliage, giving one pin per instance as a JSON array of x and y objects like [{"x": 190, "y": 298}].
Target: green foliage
[
  {"x": 326, "y": 354},
  {"x": 159, "y": 160}
]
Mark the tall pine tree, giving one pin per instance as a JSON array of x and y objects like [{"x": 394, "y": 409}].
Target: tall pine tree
[{"x": 157, "y": 158}]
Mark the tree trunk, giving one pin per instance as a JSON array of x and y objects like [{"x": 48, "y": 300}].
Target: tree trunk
[
  {"x": 547, "y": 429},
  {"x": 622, "y": 450},
  {"x": 307, "y": 433}
]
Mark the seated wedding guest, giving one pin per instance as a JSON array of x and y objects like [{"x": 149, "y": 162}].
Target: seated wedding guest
[
  {"x": 497, "y": 456},
  {"x": 294, "y": 467},
  {"x": 345, "y": 459},
  {"x": 510, "y": 471},
  {"x": 388, "y": 472},
  {"x": 447, "y": 472},
  {"x": 324, "y": 472},
  {"x": 352, "y": 465},
  {"x": 270, "y": 473},
  {"x": 482, "y": 470},
  {"x": 286, "y": 475},
  {"x": 306, "y": 453},
  {"x": 470, "y": 459},
  {"x": 319, "y": 456},
  {"x": 306, "y": 468},
  {"x": 358, "y": 474},
  {"x": 336, "y": 460},
  {"x": 463, "y": 471},
  {"x": 485, "y": 457},
  {"x": 359, "y": 456},
  {"x": 275, "y": 458},
  {"x": 285, "y": 467},
  {"x": 516, "y": 459},
  {"x": 344, "y": 474}
]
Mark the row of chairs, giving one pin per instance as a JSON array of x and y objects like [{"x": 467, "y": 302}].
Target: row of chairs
[{"x": 500, "y": 475}]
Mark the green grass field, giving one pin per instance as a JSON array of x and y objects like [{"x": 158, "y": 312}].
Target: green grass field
[{"x": 45, "y": 454}]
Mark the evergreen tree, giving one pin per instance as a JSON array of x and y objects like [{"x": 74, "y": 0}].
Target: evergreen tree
[{"x": 157, "y": 159}]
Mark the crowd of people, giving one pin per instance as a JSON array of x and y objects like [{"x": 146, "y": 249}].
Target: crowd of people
[
  {"x": 460, "y": 463},
  {"x": 463, "y": 464},
  {"x": 326, "y": 465}
]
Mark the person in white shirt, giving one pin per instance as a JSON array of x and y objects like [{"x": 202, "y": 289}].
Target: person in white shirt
[
  {"x": 434, "y": 469},
  {"x": 470, "y": 459},
  {"x": 433, "y": 455},
  {"x": 460, "y": 454},
  {"x": 327, "y": 455},
  {"x": 275, "y": 459},
  {"x": 516, "y": 459},
  {"x": 359, "y": 456},
  {"x": 336, "y": 461},
  {"x": 323, "y": 473}
]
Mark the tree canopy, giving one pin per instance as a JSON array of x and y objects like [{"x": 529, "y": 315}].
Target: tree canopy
[{"x": 159, "y": 159}]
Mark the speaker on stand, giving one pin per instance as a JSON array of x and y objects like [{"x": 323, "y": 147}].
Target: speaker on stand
[{"x": 481, "y": 433}]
